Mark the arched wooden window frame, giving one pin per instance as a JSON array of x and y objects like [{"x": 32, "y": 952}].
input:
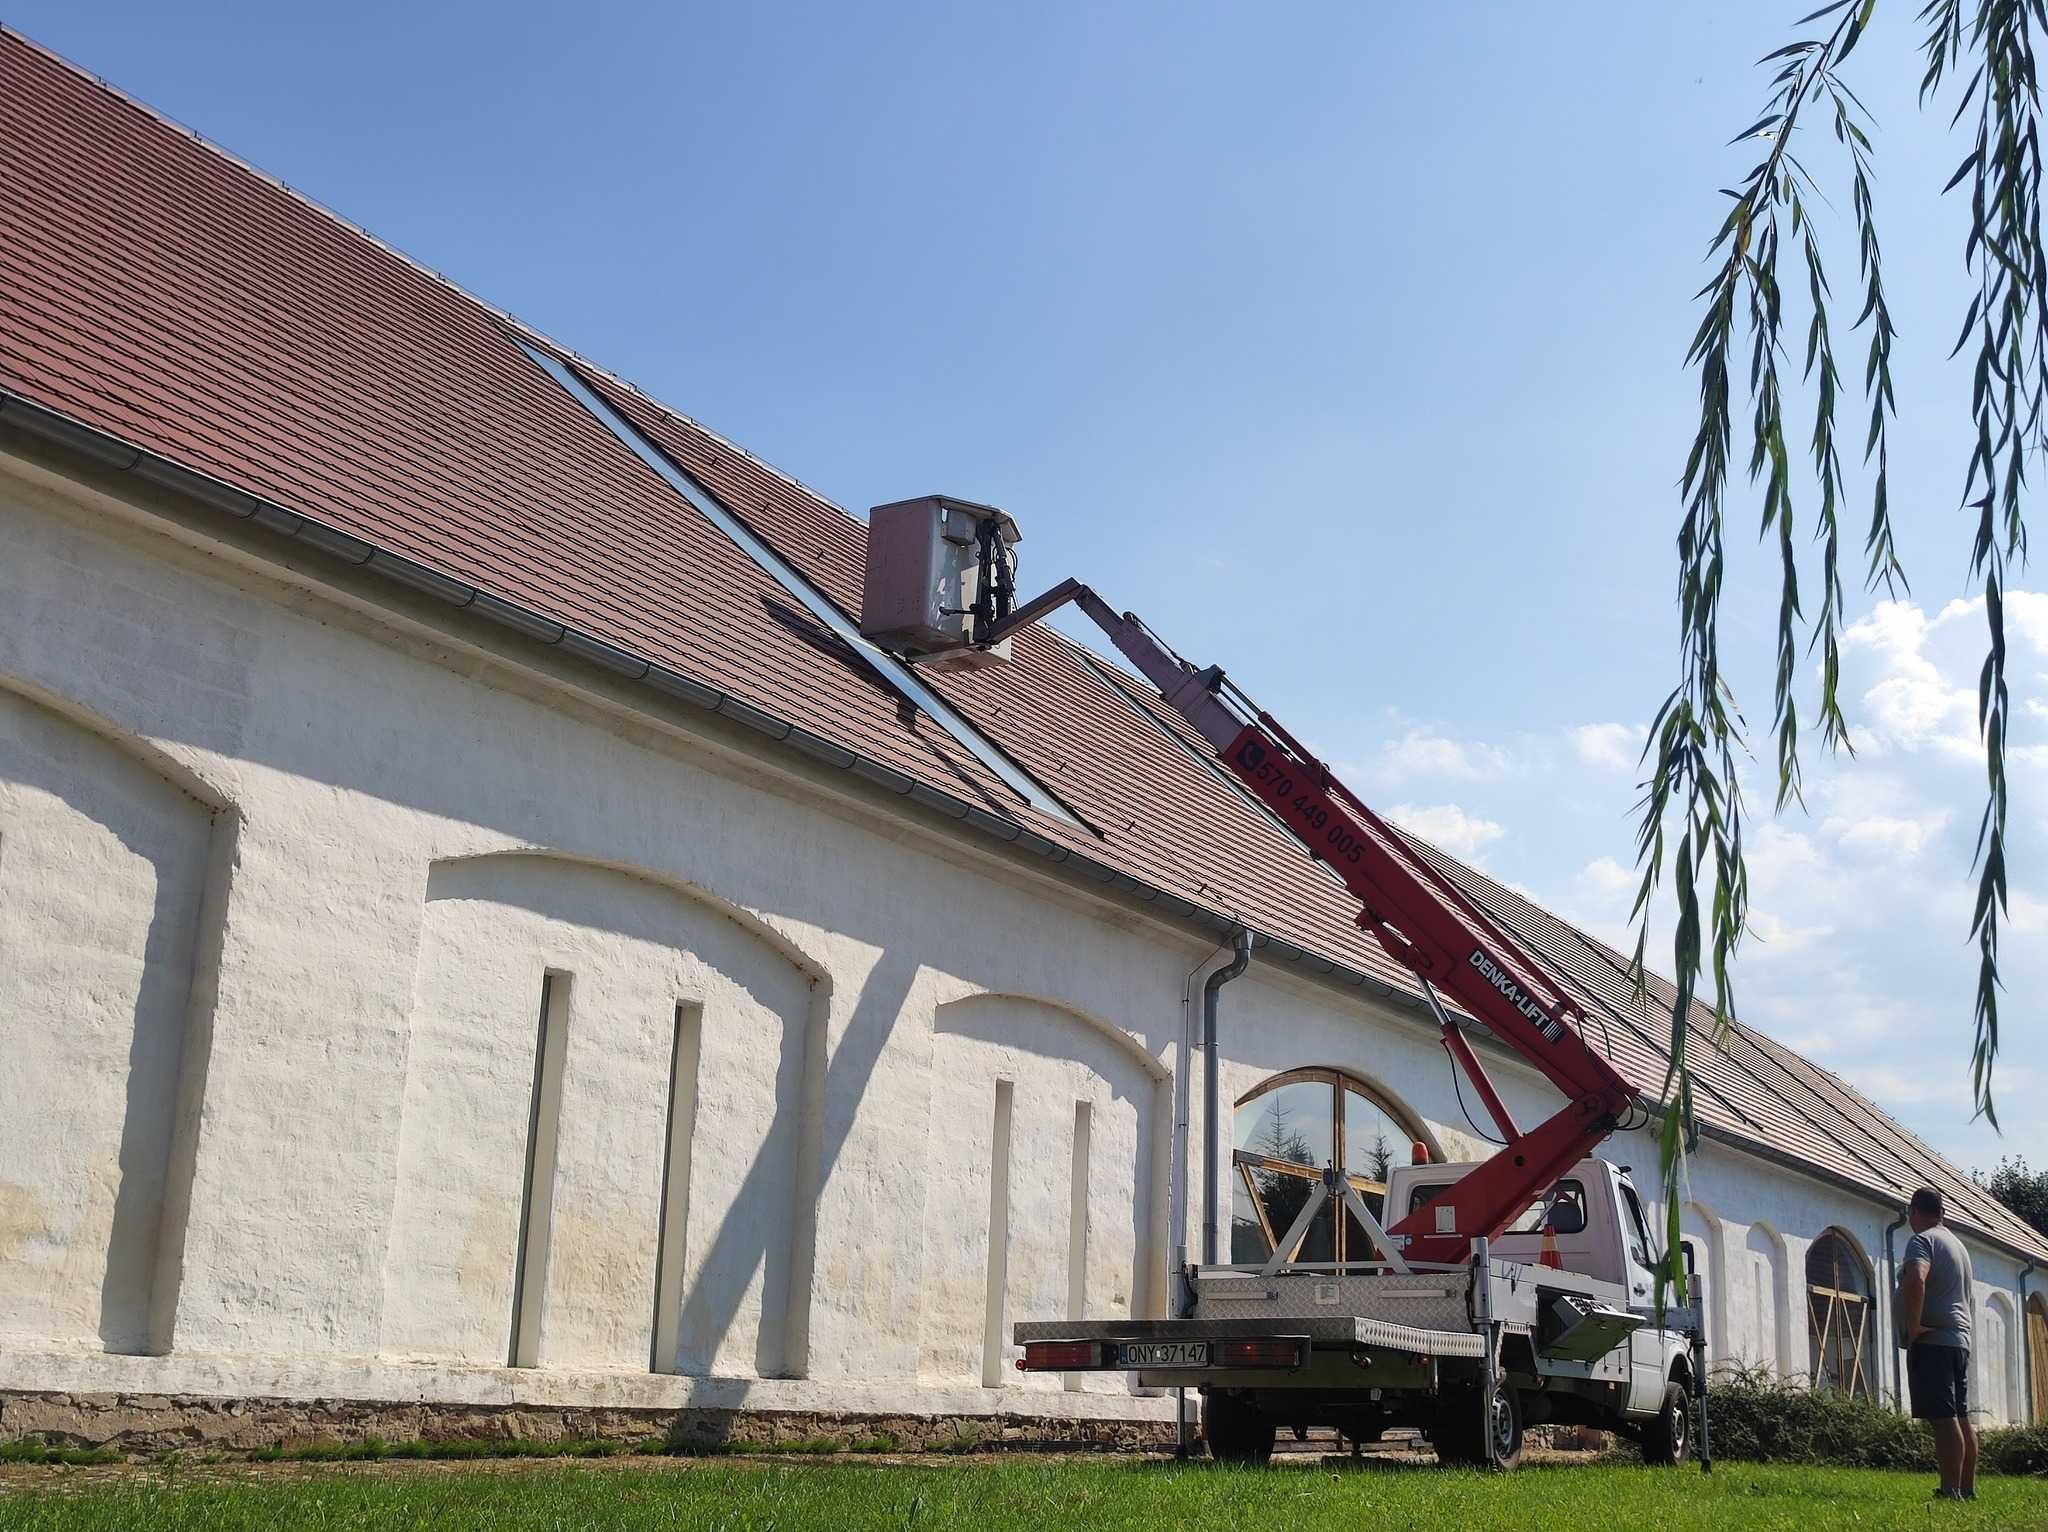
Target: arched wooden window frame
[
  {"x": 1841, "y": 1322},
  {"x": 1247, "y": 1163}
]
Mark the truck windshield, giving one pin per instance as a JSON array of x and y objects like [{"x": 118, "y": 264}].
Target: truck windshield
[{"x": 1571, "y": 1212}]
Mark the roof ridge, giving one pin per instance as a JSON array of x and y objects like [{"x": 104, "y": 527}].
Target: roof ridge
[{"x": 440, "y": 278}]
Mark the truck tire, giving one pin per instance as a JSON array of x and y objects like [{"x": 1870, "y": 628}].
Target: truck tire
[
  {"x": 1236, "y": 1429},
  {"x": 1667, "y": 1435},
  {"x": 1458, "y": 1438},
  {"x": 1455, "y": 1431}
]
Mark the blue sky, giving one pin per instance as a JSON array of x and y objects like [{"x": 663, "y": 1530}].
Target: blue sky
[{"x": 1343, "y": 342}]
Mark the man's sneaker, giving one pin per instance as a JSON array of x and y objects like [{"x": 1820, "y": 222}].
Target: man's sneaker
[{"x": 1948, "y": 1494}]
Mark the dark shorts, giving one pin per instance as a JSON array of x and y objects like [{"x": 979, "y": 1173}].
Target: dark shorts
[{"x": 1939, "y": 1377}]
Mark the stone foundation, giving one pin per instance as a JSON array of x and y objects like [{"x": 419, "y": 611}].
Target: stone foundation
[{"x": 144, "y": 1424}]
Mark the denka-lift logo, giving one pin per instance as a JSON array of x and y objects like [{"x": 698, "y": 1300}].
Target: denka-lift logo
[{"x": 1515, "y": 995}]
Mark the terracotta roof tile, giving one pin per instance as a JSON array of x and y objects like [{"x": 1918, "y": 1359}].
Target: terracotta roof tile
[{"x": 157, "y": 290}]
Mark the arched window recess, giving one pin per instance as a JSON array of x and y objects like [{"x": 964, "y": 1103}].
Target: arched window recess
[
  {"x": 1841, "y": 1325},
  {"x": 1287, "y": 1130}
]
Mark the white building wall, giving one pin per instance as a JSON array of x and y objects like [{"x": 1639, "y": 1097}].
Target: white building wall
[
  {"x": 1050, "y": 1061},
  {"x": 103, "y": 863},
  {"x": 625, "y": 953},
  {"x": 417, "y": 832}
]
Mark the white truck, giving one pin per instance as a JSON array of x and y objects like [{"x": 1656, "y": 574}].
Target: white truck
[
  {"x": 1464, "y": 1323},
  {"x": 1470, "y": 1353}
]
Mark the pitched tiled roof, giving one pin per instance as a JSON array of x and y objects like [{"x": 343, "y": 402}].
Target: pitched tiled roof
[{"x": 157, "y": 291}]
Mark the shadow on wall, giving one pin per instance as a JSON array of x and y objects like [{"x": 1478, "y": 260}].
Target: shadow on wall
[
  {"x": 765, "y": 1139},
  {"x": 1073, "y": 1213},
  {"x": 1060, "y": 1036},
  {"x": 103, "y": 867},
  {"x": 852, "y": 1065},
  {"x": 631, "y": 949}
]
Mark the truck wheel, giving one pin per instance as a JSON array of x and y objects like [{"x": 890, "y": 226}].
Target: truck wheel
[
  {"x": 1506, "y": 1427},
  {"x": 1455, "y": 1432},
  {"x": 1236, "y": 1429},
  {"x": 1667, "y": 1436},
  {"x": 1459, "y": 1440}
]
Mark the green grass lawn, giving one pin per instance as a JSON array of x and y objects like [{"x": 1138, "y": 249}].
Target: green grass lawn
[{"x": 841, "y": 1496}]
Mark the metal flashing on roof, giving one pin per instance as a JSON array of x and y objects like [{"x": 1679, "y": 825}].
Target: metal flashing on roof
[{"x": 884, "y": 664}]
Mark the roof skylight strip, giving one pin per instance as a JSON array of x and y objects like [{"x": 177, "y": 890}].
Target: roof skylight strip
[{"x": 886, "y": 665}]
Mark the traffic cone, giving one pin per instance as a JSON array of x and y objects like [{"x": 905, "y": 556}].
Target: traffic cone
[{"x": 1549, "y": 1256}]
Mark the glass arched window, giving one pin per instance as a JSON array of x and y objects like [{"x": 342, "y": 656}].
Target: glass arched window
[
  {"x": 1287, "y": 1130},
  {"x": 1841, "y": 1326}
]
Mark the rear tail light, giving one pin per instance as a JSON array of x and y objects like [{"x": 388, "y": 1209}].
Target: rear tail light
[
  {"x": 1262, "y": 1353},
  {"x": 1059, "y": 1356}
]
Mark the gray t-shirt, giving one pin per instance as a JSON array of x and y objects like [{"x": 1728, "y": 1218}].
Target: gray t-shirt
[{"x": 1951, "y": 1286}]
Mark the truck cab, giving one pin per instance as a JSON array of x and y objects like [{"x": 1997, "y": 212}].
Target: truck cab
[{"x": 1596, "y": 1226}]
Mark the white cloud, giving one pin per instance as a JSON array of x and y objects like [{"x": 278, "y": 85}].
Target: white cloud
[
  {"x": 1893, "y": 839},
  {"x": 2026, "y": 616},
  {"x": 1878, "y": 813},
  {"x": 1911, "y": 705},
  {"x": 1448, "y": 827},
  {"x": 1598, "y": 902},
  {"x": 1606, "y": 882},
  {"x": 1425, "y": 753},
  {"x": 1922, "y": 686},
  {"x": 1775, "y": 936},
  {"x": 2028, "y": 915},
  {"x": 1610, "y": 746},
  {"x": 1897, "y": 1086},
  {"x": 1791, "y": 867}
]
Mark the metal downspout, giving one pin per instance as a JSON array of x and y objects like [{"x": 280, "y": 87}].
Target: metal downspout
[
  {"x": 1183, "y": 1131},
  {"x": 1211, "y": 1075},
  {"x": 1891, "y": 1277}
]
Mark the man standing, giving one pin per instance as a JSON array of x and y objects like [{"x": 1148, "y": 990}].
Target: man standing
[{"x": 1937, "y": 1292}]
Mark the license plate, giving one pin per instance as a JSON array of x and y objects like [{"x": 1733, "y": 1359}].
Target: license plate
[{"x": 1179, "y": 1353}]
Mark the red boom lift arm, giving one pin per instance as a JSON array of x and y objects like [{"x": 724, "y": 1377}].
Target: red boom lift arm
[{"x": 1421, "y": 918}]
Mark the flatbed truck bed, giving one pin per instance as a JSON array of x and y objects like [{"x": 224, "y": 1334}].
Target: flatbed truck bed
[{"x": 1468, "y": 1353}]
